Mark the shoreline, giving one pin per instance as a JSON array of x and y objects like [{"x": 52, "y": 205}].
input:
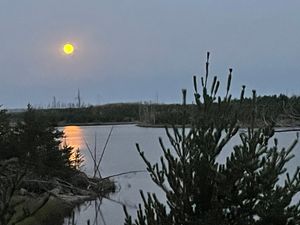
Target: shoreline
[
  {"x": 278, "y": 129},
  {"x": 62, "y": 124},
  {"x": 40, "y": 200},
  {"x": 56, "y": 207}
]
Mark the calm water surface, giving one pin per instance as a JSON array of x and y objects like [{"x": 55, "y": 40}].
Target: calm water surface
[{"x": 121, "y": 156}]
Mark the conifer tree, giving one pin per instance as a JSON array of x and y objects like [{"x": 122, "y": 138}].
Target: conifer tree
[
  {"x": 199, "y": 190},
  {"x": 38, "y": 143}
]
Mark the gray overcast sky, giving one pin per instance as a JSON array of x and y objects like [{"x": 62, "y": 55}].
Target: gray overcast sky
[{"x": 131, "y": 50}]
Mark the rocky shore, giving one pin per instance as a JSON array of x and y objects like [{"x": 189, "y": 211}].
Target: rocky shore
[{"x": 34, "y": 200}]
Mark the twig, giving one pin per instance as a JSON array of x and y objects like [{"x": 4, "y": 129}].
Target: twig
[
  {"x": 287, "y": 130},
  {"x": 94, "y": 160},
  {"x": 102, "y": 216},
  {"x": 124, "y": 173},
  {"x": 95, "y": 156},
  {"x": 104, "y": 148}
]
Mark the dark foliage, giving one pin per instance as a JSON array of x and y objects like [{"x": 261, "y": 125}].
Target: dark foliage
[
  {"x": 37, "y": 143},
  {"x": 278, "y": 109},
  {"x": 201, "y": 191},
  {"x": 5, "y": 134}
]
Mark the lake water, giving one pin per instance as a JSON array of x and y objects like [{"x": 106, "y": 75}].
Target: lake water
[{"x": 121, "y": 156}]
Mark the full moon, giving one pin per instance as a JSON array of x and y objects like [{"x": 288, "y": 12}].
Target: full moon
[{"x": 68, "y": 49}]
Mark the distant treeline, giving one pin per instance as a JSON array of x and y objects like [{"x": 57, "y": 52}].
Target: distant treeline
[{"x": 279, "y": 109}]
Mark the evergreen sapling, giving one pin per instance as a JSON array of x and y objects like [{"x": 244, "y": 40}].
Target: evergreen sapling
[{"x": 201, "y": 191}]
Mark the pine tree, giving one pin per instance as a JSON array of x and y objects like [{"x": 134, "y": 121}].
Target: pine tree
[
  {"x": 199, "y": 190},
  {"x": 38, "y": 143}
]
